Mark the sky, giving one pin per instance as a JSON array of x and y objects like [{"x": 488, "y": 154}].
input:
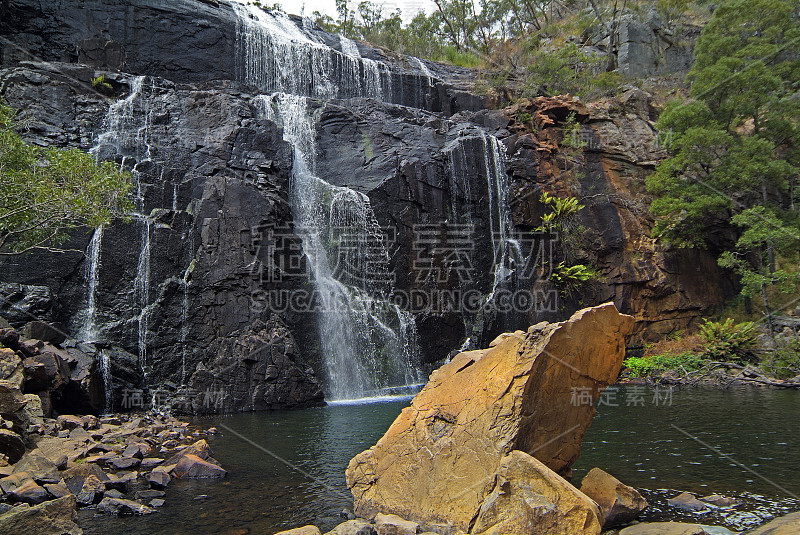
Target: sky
[{"x": 328, "y": 7}]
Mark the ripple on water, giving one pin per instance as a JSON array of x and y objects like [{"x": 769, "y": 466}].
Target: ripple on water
[{"x": 638, "y": 445}]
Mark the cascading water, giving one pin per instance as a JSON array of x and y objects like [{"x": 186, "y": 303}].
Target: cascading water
[
  {"x": 89, "y": 330},
  {"x": 105, "y": 372},
  {"x": 142, "y": 291},
  {"x": 274, "y": 55},
  {"x": 125, "y": 137},
  {"x": 477, "y": 154},
  {"x": 368, "y": 343}
]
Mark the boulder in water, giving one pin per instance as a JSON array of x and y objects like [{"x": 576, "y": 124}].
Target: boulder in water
[
  {"x": 619, "y": 503},
  {"x": 438, "y": 461}
]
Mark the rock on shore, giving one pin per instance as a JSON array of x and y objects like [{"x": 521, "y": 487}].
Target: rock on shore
[{"x": 441, "y": 460}]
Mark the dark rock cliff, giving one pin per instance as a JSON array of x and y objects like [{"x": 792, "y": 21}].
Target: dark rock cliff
[{"x": 180, "y": 285}]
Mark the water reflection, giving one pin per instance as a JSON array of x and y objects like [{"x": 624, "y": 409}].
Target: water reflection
[{"x": 635, "y": 443}]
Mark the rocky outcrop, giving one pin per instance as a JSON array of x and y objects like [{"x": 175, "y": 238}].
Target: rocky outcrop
[
  {"x": 259, "y": 370},
  {"x": 619, "y": 503},
  {"x": 141, "y": 37},
  {"x": 181, "y": 283},
  {"x": 439, "y": 460},
  {"x": 665, "y": 290},
  {"x": 56, "y": 517}
]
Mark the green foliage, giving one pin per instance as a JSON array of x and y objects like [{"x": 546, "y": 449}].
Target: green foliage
[
  {"x": 44, "y": 192},
  {"x": 784, "y": 362},
  {"x": 100, "y": 83},
  {"x": 562, "y": 217},
  {"x": 572, "y": 276},
  {"x": 657, "y": 364},
  {"x": 763, "y": 231},
  {"x": 729, "y": 342},
  {"x": 567, "y": 69},
  {"x": 735, "y": 148}
]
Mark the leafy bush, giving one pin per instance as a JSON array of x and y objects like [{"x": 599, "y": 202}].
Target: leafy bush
[
  {"x": 100, "y": 84},
  {"x": 784, "y": 362},
  {"x": 644, "y": 366},
  {"x": 726, "y": 341},
  {"x": 568, "y": 69},
  {"x": 570, "y": 278}
]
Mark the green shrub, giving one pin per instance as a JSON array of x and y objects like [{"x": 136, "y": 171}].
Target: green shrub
[
  {"x": 101, "y": 84},
  {"x": 644, "y": 366},
  {"x": 726, "y": 341},
  {"x": 784, "y": 362}
]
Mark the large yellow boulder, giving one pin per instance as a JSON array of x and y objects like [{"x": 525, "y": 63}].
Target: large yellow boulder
[{"x": 532, "y": 392}]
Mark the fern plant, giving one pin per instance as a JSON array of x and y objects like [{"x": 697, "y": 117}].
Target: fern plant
[{"x": 726, "y": 341}]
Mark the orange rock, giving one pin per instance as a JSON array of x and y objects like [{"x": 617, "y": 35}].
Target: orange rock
[{"x": 437, "y": 462}]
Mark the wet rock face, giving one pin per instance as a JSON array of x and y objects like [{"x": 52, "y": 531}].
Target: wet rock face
[
  {"x": 437, "y": 461},
  {"x": 215, "y": 179},
  {"x": 259, "y": 370},
  {"x": 141, "y": 36}
]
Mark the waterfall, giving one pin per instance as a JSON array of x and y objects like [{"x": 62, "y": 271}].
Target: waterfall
[
  {"x": 479, "y": 154},
  {"x": 105, "y": 372},
  {"x": 89, "y": 330},
  {"x": 274, "y": 55},
  {"x": 126, "y": 138},
  {"x": 368, "y": 343},
  {"x": 142, "y": 290}
]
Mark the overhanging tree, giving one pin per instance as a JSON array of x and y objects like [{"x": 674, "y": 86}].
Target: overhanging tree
[{"x": 45, "y": 192}]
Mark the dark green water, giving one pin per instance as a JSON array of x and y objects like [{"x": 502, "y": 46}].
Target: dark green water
[{"x": 301, "y": 479}]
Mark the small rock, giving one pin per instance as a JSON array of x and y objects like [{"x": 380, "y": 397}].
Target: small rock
[
  {"x": 193, "y": 467},
  {"x": 200, "y": 449},
  {"x": 89, "y": 421},
  {"x": 39, "y": 468},
  {"x": 11, "y": 445},
  {"x": 212, "y": 431},
  {"x": 305, "y": 530},
  {"x": 159, "y": 478},
  {"x": 121, "y": 480},
  {"x": 91, "y": 492},
  {"x": 57, "y": 490},
  {"x": 74, "y": 477},
  {"x": 394, "y": 525},
  {"x": 29, "y": 492},
  {"x": 119, "y": 506},
  {"x": 110, "y": 420},
  {"x": 12, "y": 482},
  {"x": 80, "y": 434},
  {"x": 69, "y": 421},
  {"x": 687, "y": 502},
  {"x": 150, "y": 462},
  {"x": 11, "y": 398},
  {"x": 156, "y": 502},
  {"x": 114, "y": 493},
  {"x": 619, "y": 503},
  {"x": 138, "y": 450},
  {"x": 719, "y": 501},
  {"x": 40, "y": 330},
  {"x": 145, "y": 495},
  {"x": 123, "y": 463},
  {"x": 353, "y": 527}
]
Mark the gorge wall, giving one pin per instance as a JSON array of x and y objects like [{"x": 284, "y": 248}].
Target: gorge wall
[{"x": 199, "y": 287}]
